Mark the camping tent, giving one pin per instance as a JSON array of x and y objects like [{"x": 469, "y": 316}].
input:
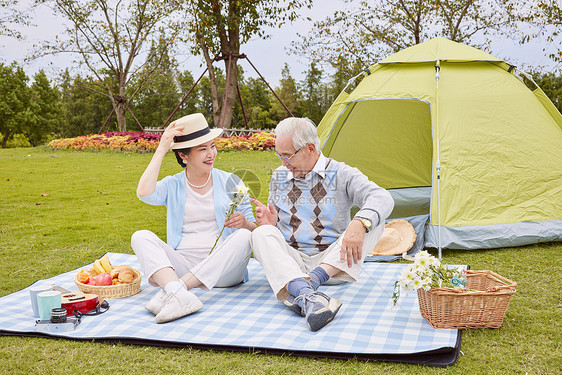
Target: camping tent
[{"x": 456, "y": 134}]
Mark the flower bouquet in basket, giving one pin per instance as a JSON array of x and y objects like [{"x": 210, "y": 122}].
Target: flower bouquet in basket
[
  {"x": 451, "y": 297},
  {"x": 427, "y": 272}
]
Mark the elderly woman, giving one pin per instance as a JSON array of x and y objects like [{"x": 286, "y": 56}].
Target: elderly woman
[{"x": 197, "y": 200}]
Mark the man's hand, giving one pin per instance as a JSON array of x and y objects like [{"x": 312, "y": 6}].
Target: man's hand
[
  {"x": 265, "y": 215},
  {"x": 352, "y": 243}
]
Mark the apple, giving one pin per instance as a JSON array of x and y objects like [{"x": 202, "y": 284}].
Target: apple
[
  {"x": 91, "y": 281},
  {"x": 103, "y": 279}
]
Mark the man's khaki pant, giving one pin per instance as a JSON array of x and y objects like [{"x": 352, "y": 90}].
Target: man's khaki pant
[{"x": 282, "y": 263}]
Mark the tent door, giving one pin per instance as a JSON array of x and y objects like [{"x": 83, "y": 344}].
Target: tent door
[{"x": 389, "y": 140}]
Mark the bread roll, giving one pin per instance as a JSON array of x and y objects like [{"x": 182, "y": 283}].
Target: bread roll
[
  {"x": 117, "y": 269},
  {"x": 126, "y": 275}
]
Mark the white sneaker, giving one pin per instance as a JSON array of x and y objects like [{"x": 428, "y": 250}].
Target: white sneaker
[
  {"x": 156, "y": 302},
  {"x": 177, "y": 305}
]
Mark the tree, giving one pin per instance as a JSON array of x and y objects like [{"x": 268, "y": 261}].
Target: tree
[
  {"x": 288, "y": 92},
  {"x": 344, "y": 70},
  {"x": 14, "y": 101},
  {"x": 157, "y": 97},
  {"x": 45, "y": 109},
  {"x": 217, "y": 30},
  {"x": 206, "y": 96},
  {"x": 82, "y": 110},
  {"x": 551, "y": 84},
  {"x": 191, "y": 104},
  {"x": 256, "y": 98},
  {"x": 111, "y": 34},
  {"x": 313, "y": 104},
  {"x": 12, "y": 14},
  {"x": 369, "y": 30},
  {"x": 545, "y": 17}
]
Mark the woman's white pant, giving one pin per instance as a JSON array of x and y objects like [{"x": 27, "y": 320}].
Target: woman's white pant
[{"x": 226, "y": 266}]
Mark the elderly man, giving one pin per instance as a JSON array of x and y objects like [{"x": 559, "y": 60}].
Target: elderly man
[{"x": 306, "y": 235}]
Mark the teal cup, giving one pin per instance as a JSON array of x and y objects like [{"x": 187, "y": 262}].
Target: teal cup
[
  {"x": 46, "y": 301},
  {"x": 33, "y": 292}
]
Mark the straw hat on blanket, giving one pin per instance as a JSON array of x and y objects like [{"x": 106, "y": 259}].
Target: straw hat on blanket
[{"x": 398, "y": 237}]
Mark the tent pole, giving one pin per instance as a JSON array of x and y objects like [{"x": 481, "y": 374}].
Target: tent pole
[
  {"x": 438, "y": 168},
  {"x": 352, "y": 79},
  {"x": 438, "y": 163}
]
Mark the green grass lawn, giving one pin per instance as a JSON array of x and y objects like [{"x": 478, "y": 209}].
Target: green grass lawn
[{"x": 60, "y": 210}]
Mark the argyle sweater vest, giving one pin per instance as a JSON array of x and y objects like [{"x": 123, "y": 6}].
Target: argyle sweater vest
[{"x": 314, "y": 211}]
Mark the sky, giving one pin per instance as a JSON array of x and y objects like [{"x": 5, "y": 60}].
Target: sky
[{"x": 268, "y": 55}]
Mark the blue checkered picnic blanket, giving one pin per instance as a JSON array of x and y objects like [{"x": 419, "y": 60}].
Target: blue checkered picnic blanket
[{"x": 249, "y": 316}]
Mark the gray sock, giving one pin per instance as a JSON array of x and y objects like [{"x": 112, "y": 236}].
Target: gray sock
[{"x": 318, "y": 276}]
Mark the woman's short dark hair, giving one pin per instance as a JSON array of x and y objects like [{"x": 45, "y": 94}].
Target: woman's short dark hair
[{"x": 184, "y": 151}]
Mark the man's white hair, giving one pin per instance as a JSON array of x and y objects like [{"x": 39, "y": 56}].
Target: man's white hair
[{"x": 301, "y": 130}]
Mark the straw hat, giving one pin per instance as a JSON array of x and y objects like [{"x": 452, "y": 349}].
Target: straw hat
[
  {"x": 195, "y": 131},
  {"x": 397, "y": 238}
]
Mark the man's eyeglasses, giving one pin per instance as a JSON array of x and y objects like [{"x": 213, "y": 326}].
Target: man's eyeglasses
[{"x": 287, "y": 159}]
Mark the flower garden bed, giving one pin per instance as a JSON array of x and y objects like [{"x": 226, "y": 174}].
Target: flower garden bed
[{"x": 148, "y": 142}]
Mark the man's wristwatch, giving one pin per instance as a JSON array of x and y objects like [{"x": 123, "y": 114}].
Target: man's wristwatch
[{"x": 366, "y": 223}]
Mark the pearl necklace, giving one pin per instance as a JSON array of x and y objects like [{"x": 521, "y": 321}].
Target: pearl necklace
[{"x": 195, "y": 186}]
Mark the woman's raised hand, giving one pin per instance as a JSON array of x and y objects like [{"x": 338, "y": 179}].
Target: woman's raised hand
[
  {"x": 168, "y": 136},
  {"x": 147, "y": 182}
]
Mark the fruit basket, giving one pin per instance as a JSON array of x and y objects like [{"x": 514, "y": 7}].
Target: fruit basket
[
  {"x": 482, "y": 305},
  {"x": 112, "y": 291}
]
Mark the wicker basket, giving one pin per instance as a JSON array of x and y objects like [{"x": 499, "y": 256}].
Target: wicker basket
[
  {"x": 482, "y": 307},
  {"x": 112, "y": 291}
]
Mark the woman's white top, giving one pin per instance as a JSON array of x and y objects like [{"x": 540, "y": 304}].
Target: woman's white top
[{"x": 200, "y": 229}]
